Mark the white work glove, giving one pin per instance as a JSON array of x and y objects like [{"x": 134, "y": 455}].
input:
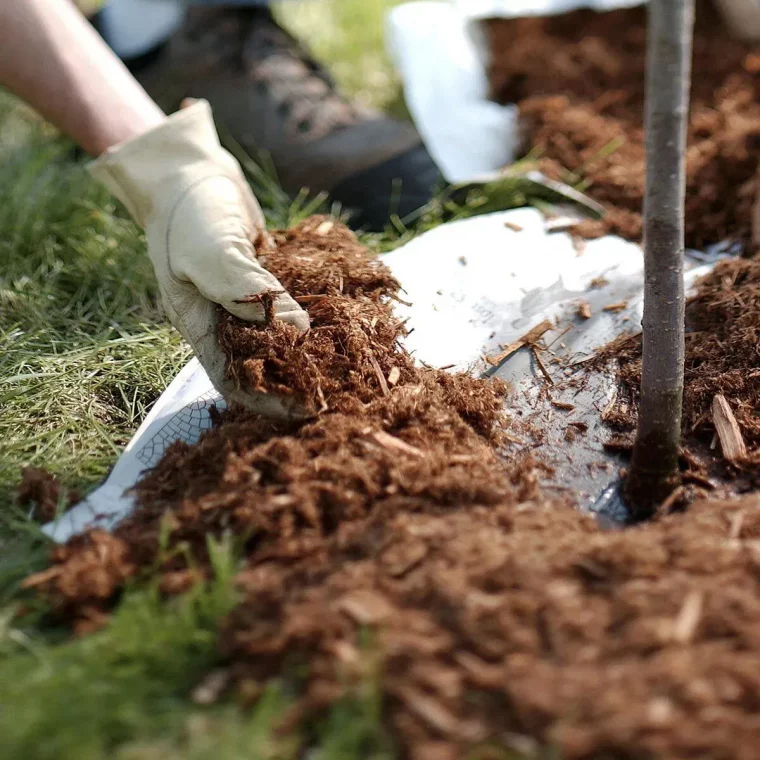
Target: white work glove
[{"x": 199, "y": 216}]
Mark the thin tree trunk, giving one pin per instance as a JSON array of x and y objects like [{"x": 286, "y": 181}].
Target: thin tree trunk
[{"x": 654, "y": 469}]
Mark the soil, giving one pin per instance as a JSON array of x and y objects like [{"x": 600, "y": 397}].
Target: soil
[
  {"x": 499, "y": 617},
  {"x": 578, "y": 80}
]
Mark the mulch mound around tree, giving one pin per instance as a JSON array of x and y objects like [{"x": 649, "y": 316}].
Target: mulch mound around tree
[
  {"x": 722, "y": 372},
  {"x": 579, "y": 79},
  {"x": 497, "y": 617}
]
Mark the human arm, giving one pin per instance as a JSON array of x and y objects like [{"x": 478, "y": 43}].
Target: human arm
[
  {"x": 55, "y": 61},
  {"x": 189, "y": 194}
]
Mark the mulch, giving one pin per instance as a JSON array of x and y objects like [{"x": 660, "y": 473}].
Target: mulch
[
  {"x": 499, "y": 617},
  {"x": 578, "y": 80}
]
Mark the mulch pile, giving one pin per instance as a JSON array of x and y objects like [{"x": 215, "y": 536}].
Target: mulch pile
[
  {"x": 497, "y": 617},
  {"x": 579, "y": 79}
]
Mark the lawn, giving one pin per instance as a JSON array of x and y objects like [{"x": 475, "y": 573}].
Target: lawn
[{"x": 84, "y": 353}]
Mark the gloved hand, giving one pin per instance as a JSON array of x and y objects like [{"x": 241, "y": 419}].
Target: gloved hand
[{"x": 199, "y": 216}]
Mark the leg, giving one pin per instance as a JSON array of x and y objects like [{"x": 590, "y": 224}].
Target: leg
[{"x": 274, "y": 99}]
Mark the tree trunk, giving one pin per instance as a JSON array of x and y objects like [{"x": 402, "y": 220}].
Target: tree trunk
[{"x": 654, "y": 469}]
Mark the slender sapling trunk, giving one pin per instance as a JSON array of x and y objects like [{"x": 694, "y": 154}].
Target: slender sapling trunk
[{"x": 654, "y": 469}]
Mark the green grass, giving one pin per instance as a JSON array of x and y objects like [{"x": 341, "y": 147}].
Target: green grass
[
  {"x": 84, "y": 353},
  {"x": 123, "y": 693}
]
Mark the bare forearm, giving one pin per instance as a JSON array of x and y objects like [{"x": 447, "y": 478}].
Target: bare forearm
[{"x": 51, "y": 58}]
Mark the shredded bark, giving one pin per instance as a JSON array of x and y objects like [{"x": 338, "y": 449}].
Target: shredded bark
[
  {"x": 497, "y": 617},
  {"x": 578, "y": 79},
  {"x": 352, "y": 350},
  {"x": 526, "y": 628}
]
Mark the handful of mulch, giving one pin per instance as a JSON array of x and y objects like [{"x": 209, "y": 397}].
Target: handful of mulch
[{"x": 351, "y": 351}]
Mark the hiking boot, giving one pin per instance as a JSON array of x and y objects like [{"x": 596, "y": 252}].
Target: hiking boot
[{"x": 274, "y": 99}]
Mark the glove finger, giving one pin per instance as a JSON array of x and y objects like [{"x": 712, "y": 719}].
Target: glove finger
[
  {"x": 252, "y": 307},
  {"x": 209, "y": 244},
  {"x": 197, "y": 324},
  {"x": 238, "y": 286}
]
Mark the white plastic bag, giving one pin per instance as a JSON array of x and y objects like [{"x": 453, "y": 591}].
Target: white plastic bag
[
  {"x": 442, "y": 60},
  {"x": 446, "y": 91}
]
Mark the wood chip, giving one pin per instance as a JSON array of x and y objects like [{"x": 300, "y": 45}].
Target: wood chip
[
  {"x": 685, "y": 625},
  {"x": 542, "y": 367},
  {"x": 388, "y": 441},
  {"x": 394, "y": 375},
  {"x": 208, "y": 691},
  {"x": 365, "y": 607},
  {"x": 324, "y": 228},
  {"x": 380, "y": 376},
  {"x": 615, "y": 307},
  {"x": 528, "y": 339},
  {"x": 399, "y": 559},
  {"x": 584, "y": 310},
  {"x": 729, "y": 434},
  {"x": 512, "y": 226},
  {"x": 674, "y": 497},
  {"x": 37, "y": 579},
  {"x": 564, "y": 405}
]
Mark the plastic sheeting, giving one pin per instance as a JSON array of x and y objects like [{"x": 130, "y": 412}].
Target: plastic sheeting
[
  {"x": 441, "y": 58},
  {"x": 475, "y": 285}
]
